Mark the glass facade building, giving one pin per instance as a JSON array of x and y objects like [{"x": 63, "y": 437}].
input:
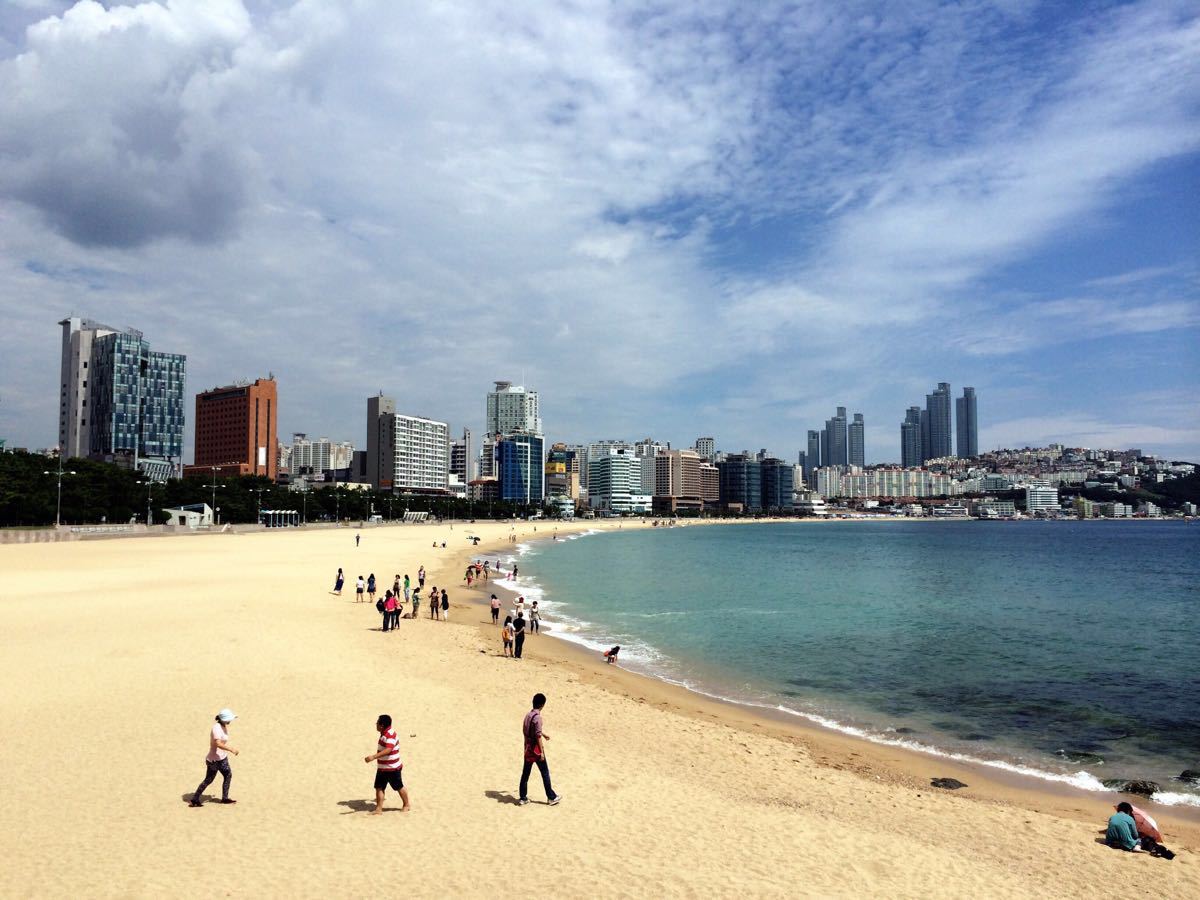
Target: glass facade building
[
  {"x": 967, "y": 418},
  {"x": 740, "y": 480},
  {"x": 137, "y": 405},
  {"x": 520, "y": 468},
  {"x": 778, "y": 481}
]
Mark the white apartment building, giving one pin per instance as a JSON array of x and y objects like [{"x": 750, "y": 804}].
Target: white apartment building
[
  {"x": 706, "y": 448},
  {"x": 1040, "y": 495},
  {"x": 615, "y": 482},
  {"x": 406, "y": 453},
  {"x": 319, "y": 455}
]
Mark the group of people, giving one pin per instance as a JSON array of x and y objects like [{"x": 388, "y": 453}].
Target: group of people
[
  {"x": 516, "y": 626},
  {"x": 389, "y": 768}
]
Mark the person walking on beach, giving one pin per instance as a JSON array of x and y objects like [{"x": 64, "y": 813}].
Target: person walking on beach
[
  {"x": 396, "y": 587},
  {"x": 407, "y": 584},
  {"x": 506, "y": 635},
  {"x": 217, "y": 759},
  {"x": 389, "y": 769},
  {"x": 518, "y": 634},
  {"x": 495, "y": 610},
  {"x": 371, "y": 587},
  {"x": 338, "y": 582},
  {"x": 359, "y": 587},
  {"x": 535, "y": 739},
  {"x": 357, "y": 539},
  {"x": 421, "y": 577},
  {"x": 535, "y": 618},
  {"x": 445, "y": 606}
]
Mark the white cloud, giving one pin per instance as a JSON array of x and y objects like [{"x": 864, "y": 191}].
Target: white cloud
[{"x": 421, "y": 198}]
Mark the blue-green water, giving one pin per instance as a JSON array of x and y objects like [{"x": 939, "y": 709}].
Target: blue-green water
[{"x": 1071, "y": 649}]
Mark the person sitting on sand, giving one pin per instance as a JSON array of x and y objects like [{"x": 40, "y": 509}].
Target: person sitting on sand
[
  {"x": 610, "y": 656},
  {"x": 507, "y": 634},
  {"x": 1122, "y": 830}
]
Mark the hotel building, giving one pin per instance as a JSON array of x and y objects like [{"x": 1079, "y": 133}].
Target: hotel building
[{"x": 237, "y": 430}]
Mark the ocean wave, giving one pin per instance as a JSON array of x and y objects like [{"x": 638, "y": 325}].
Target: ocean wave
[{"x": 1174, "y": 798}]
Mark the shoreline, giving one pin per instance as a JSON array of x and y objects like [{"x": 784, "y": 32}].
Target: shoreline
[{"x": 882, "y": 760}]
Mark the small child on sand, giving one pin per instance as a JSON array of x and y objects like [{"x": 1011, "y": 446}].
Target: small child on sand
[{"x": 508, "y": 634}]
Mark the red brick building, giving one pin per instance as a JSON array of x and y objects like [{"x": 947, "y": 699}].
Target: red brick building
[{"x": 236, "y": 430}]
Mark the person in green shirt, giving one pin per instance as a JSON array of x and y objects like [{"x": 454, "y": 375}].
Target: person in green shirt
[{"x": 1122, "y": 830}]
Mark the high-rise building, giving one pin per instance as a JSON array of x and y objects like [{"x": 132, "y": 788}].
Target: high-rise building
[
  {"x": 778, "y": 485},
  {"x": 812, "y": 458},
  {"x": 741, "y": 482},
  {"x": 406, "y": 453},
  {"x": 706, "y": 448},
  {"x": 857, "y": 452},
  {"x": 563, "y": 469},
  {"x": 237, "y": 431},
  {"x": 678, "y": 483},
  {"x": 1040, "y": 495},
  {"x": 511, "y": 408},
  {"x": 309, "y": 457},
  {"x": 464, "y": 460},
  {"x": 834, "y": 446},
  {"x": 118, "y": 400},
  {"x": 911, "y": 450},
  {"x": 937, "y": 406},
  {"x": 520, "y": 469},
  {"x": 967, "y": 421},
  {"x": 615, "y": 480}
]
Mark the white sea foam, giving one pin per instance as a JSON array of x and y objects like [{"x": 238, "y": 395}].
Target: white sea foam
[{"x": 1173, "y": 798}]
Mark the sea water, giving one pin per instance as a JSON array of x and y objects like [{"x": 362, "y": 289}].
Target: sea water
[{"x": 1065, "y": 650}]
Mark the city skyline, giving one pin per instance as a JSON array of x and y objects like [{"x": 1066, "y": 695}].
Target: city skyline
[{"x": 837, "y": 205}]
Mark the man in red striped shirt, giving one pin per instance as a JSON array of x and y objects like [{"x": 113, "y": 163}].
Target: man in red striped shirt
[{"x": 389, "y": 767}]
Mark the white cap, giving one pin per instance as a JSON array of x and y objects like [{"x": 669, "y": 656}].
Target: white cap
[{"x": 226, "y": 715}]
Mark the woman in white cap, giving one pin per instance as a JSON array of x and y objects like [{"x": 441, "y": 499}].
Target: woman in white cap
[{"x": 218, "y": 758}]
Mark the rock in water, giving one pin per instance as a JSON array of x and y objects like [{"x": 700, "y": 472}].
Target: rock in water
[
  {"x": 1191, "y": 776},
  {"x": 1142, "y": 788},
  {"x": 950, "y": 784}
]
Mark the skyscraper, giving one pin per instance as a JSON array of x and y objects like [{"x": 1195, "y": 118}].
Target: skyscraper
[
  {"x": 237, "y": 430},
  {"x": 520, "y": 468},
  {"x": 512, "y": 408},
  {"x": 812, "y": 458},
  {"x": 967, "y": 422},
  {"x": 834, "y": 445},
  {"x": 937, "y": 406},
  {"x": 706, "y": 447},
  {"x": 464, "y": 458},
  {"x": 911, "y": 452},
  {"x": 857, "y": 452},
  {"x": 118, "y": 400}
]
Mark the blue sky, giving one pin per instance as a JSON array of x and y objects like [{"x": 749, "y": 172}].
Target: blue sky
[{"x": 673, "y": 219}]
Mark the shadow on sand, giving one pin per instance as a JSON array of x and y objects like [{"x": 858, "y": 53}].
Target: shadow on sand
[{"x": 502, "y": 797}]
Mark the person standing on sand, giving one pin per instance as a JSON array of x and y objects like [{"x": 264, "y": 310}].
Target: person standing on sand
[
  {"x": 416, "y": 601},
  {"x": 435, "y": 602},
  {"x": 495, "y": 610},
  {"x": 518, "y": 634},
  {"x": 535, "y": 618},
  {"x": 396, "y": 588},
  {"x": 217, "y": 759},
  {"x": 535, "y": 739},
  {"x": 371, "y": 587},
  {"x": 445, "y": 606},
  {"x": 407, "y": 585},
  {"x": 389, "y": 610},
  {"x": 357, "y": 539},
  {"x": 359, "y": 587},
  {"x": 506, "y": 635},
  {"x": 389, "y": 769},
  {"x": 421, "y": 577},
  {"x": 338, "y": 582}
]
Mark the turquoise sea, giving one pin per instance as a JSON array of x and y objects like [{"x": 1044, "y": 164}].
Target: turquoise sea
[{"x": 1067, "y": 650}]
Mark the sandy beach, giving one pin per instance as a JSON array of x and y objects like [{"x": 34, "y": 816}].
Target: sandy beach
[{"x": 118, "y": 653}]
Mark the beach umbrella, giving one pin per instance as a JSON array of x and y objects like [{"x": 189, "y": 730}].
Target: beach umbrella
[{"x": 1146, "y": 826}]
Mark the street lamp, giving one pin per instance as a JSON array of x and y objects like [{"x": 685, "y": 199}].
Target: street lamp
[
  {"x": 214, "y": 486},
  {"x": 259, "y": 492},
  {"x": 149, "y": 483},
  {"x": 58, "y": 504}
]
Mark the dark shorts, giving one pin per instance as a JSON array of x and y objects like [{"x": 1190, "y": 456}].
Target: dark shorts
[
  {"x": 385, "y": 780},
  {"x": 495, "y": 614}
]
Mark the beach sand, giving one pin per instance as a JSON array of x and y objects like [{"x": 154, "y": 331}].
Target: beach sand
[{"x": 118, "y": 653}]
